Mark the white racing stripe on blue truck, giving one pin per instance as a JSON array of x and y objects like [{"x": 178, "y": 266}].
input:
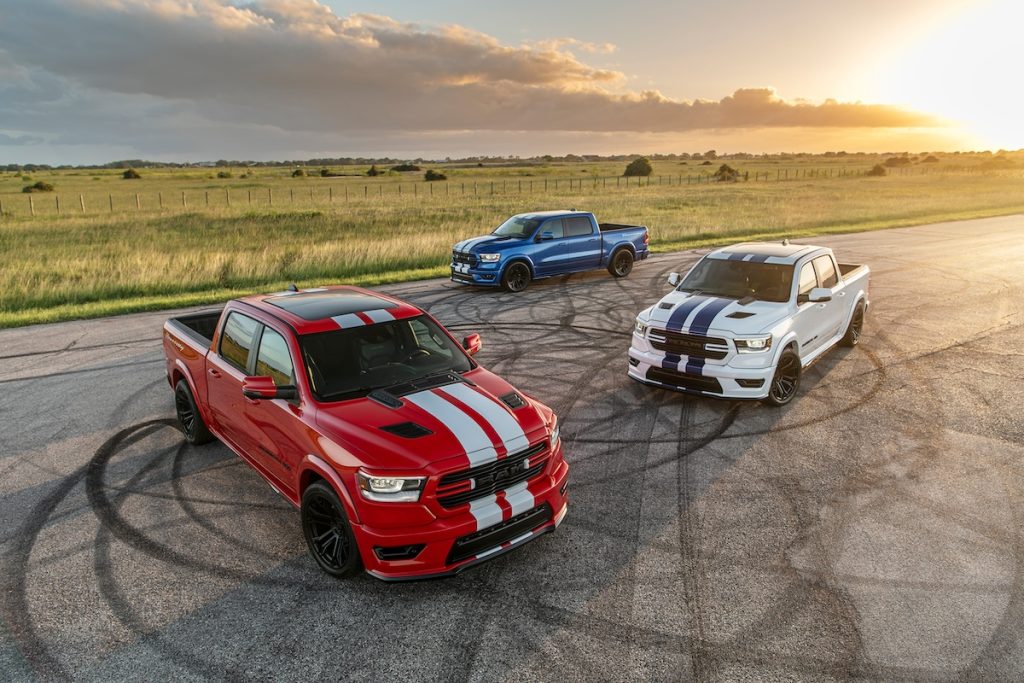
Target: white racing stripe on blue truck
[
  {"x": 508, "y": 429},
  {"x": 471, "y": 437},
  {"x": 348, "y": 320}
]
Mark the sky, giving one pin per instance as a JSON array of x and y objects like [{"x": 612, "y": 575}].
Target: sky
[{"x": 90, "y": 81}]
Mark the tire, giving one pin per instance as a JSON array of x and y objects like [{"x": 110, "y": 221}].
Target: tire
[
  {"x": 189, "y": 417},
  {"x": 328, "y": 534},
  {"x": 621, "y": 263},
  {"x": 853, "y": 330},
  {"x": 516, "y": 277},
  {"x": 786, "y": 380}
]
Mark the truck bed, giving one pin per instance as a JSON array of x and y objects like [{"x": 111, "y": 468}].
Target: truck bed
[
  {"x": 198, "y": 326},
  {"x": 611, "y": 227},
  {"x": 848, "y": 270}
]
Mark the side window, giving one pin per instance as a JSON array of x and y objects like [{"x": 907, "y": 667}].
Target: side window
[
  {"x": 578, "y": 225},
  {"x": 274, "y": 360},
  {"x": 425, "y": 339},
  {"x": 237, "y": 338},
  {"x": 807, "y": 280},
  {"x": 826, "y": 271},
  {"x": 554, "y": 226}
]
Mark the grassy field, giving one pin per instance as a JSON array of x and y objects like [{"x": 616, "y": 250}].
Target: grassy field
[{"x": 101, "y": 262}]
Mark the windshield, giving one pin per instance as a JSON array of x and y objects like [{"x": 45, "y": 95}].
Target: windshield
[
  {"x": 738, "y": 279},
  {"x": 517, "y": 226},
  {"x": 350, "y": 363}
]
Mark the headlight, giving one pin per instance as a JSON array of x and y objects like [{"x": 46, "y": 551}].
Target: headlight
[
  {"x": 390, "y": 489},
  {"x": 555, "y": 434},
  {"x": 754, "y": 344},
  {"x": 640, "y": 328},
  {"x": 489, "y": 258}
]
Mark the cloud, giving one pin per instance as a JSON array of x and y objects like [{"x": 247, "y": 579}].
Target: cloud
[{"x": 174, "y": 68}]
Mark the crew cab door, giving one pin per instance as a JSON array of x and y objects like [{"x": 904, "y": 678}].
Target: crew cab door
[
  {"x": 812, "y": 319},
  {"x": 549, "y": 254},
  {"x": 583, "y": 240},
  {"x": 836, "y": 310},
  {"x": 226, "y": 367}
]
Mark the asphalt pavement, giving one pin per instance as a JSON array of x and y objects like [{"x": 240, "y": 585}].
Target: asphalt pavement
[{"x": 873, "y": 529}]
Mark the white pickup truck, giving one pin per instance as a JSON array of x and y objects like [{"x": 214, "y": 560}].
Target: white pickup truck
[{"x": 747, "y": 319}]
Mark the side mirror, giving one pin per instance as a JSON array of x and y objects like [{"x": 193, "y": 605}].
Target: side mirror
[
  {"x": 819, "y": 295},
  {"x": 264, "y": 389},
  {"x": 545, "y": 236},
  {"x": 472, "y": 343},
  {"x": 673, "y": 279}
]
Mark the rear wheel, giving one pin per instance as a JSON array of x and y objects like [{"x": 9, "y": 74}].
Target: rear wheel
[
  {"x": 328, "y": 534},
  {"x": 852, "y": 336},
  {"x": 191, "y": 421},
  {"x": 516, "y": 277},
  {"x": 786, "y": 380},
  {"x": 621, "y": 264}
]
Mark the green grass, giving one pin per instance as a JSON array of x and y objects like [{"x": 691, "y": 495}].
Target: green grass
[{"x": 96, "y": 264}]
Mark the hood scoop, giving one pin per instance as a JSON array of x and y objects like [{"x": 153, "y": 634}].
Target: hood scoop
[
  {"x": 407, "y": 430},
  {"x": 513, "y": 400},
  {"x": 739, "y": 315},
  {"x": 665, "y": 305}
]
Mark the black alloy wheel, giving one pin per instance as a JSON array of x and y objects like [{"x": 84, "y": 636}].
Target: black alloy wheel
[
  {"x": 786, "y": 380},
  {"x": 622, "y": 263},
  {"x": 852, "y": 336},
  {"x": 516, "y": 277},
  {"x": 192, "y": 425},
  {"x": 327, "y": 531}
]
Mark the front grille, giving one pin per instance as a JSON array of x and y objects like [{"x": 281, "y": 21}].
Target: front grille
[
  {"x": 692, "y": 345},
  {"x": 458, "y": 488},
  {"x": 492, "y": 537},
  {"x": 464, "y": 258},
  {"x": 684, "y": 380}
]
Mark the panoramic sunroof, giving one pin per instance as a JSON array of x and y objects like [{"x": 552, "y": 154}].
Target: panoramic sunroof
[{"x": 320, "y": 305}]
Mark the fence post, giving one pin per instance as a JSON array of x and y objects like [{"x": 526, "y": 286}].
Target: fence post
[
  {"x": 366, "y": 190},
  {"x": 380, "y": 190},
  {"x": 330, "y": 194},
  {"x": 111, "y": 198},
  {"x": 492, "y": 187},
  {"x": 138, "y": 203},
  {"x": 207, "y": 193},
  {"x": 399, "y": 189},
  {"x": 310, "y": 194},
  {"x": 160, "y": 198},
  {"x": 414, "y": 190},
  {"x": 291, "y": 195},
  {"x": 57, "y": 199},
  {"x": 227, "y": 196},
  {"x": 81, "y": 202},
  {"x": 250, "y": 196},
  {"x": 270, "y": 196},
  {"x": 31, "y": 206},
  {"x": 183, "y": 202}
]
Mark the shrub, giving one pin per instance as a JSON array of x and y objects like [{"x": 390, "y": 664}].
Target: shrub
[
  {"x": 893, "y": 162},
  {"x": 705, "y": 163},
  {"x": 327, "y": 173},
  {"x": 726, "y": 174},
  {"x": 374, "y": 171},
  {"x": 26, "y": 178},
  {"x": 131, "y": 174},
  {"x": 638, "y": 167},
  {"x": 402, "y": 168},
  {"x": 223, "y": 174},
  {"x": 39, "y": 186},
  {"x": 431, "y": 174},
  {"x": 878, "y": 170},
  {"x": 299, "y": 173},
  {"x": 930, "y": 159}
]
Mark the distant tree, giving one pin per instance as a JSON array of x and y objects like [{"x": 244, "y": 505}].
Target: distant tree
[
  {"x": 299, "y": 173},
  {"x": 374, "y": 171},
  {"x": 878, "y": 170},
  {"x": 894, "y": 162},
  {"x": 726, "y": 174},
  {"x": 402, "y": 168},
  {"x": 131, "y": 174},
  {"x": 705, "y": 163},
  {"x": 638, "y": 167},
  {"x": 930, "y": 159},
  {"x": 711, "y": 154},
  {"x": 39, "y": 186},
  {"x": 223, "y": 174},
  {"x": 431, "y": 175}
]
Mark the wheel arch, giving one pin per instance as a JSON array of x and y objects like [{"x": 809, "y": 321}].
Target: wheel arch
[
  {"x": 181, "y": 372},
  {"x": 518, "y": 259},
  {"x": 314, "y": 468}
]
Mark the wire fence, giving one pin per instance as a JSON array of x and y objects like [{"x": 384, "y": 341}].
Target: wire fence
[{"x": 93, "y": 203}]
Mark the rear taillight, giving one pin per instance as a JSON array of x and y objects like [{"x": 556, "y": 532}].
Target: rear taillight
[{"x": 647, "y": 238}]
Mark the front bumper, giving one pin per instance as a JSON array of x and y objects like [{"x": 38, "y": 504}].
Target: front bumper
[
  {"x": 706, "y": 379},
  {"x": 440, "y": 556},
  {"x": 483, "y": 274}
]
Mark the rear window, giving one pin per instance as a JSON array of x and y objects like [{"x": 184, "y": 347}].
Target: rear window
[
  {"x": 577, "y": 225},
  {"x": 237, "y": 338}
]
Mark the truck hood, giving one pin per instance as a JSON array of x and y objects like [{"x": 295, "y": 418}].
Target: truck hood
[
  {"x": 493, "y": 243},
  {"x": 456, "y": 424},
  {"x": 700, "y": 313}
]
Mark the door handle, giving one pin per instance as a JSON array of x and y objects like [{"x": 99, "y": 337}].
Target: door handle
[{"x": 214, "y": 372}]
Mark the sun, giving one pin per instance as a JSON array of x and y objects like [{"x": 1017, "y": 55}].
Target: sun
[{"x": 967, "y": 70}]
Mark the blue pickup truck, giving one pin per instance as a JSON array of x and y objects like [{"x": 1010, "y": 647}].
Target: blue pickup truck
[{"x": 530, "y": 246}]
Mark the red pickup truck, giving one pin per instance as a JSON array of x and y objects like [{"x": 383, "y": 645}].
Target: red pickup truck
[{"x": 403, "y": 454}]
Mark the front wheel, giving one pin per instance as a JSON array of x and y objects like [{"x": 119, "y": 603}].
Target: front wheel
[
  {"x": 328, "y": 534},
  {"x": 786, "y": 380},
  {"x": 852, "y": 336},
  {"x": 189, "y": 417},
  {"x": 621, "y": 264},
  {"x": 516, "y": 277}
]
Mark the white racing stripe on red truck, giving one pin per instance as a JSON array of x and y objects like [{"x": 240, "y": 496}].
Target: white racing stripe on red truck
[
  {"x": 519, "y": 498},
  {"x": 486, "y": 511},
  {"x": 495, "y": 414},
  {"x": 379, "y": 315},
  {"x": 504, "y": 546},
  {"x": 348, "y": 320},
  {"x": 471, "y": 437}
]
